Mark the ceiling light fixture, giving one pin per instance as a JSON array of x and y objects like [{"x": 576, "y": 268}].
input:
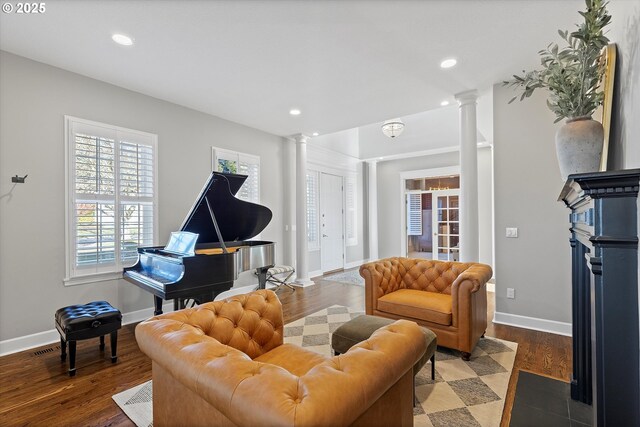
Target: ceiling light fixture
[
  {"x": 121, "y": 39},
  {"x": 315, "y": 134},
  {"x": 448, "y": 63},
  {"x": 444, "y": 103},
  {"x": 392, "y": 128},
  {"x": 295, "y": 112}
]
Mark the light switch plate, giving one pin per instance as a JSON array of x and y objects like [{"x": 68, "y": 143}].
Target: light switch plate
[
  {"x": 511, "y": 293},
  {"x": 512, "y": 232}
]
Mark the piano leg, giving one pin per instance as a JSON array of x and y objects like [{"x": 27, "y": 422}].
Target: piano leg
[
  {"x": 157, "y": 303},
  {"x": 262, "y": 276}
]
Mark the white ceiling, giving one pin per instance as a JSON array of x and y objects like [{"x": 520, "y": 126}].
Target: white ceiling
[{"x": 343, "y": 63}]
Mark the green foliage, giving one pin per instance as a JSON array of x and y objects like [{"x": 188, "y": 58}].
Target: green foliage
[{"x": 571, "y": 74}]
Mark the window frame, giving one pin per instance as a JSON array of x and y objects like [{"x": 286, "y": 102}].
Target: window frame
[
  {"x": 217, "y": 152},
  {"x": 73, "y": 274}
]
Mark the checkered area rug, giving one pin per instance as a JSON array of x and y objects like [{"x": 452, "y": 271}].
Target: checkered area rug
[{"x": 463, "y": 394}]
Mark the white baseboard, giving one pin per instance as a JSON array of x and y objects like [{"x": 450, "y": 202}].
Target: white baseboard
[
  {"x": 348, "y": 265},
  {"x": 38, "y": 339},
  {"x": 315, "y": 273},
  {"x": 543, "y": 325}
]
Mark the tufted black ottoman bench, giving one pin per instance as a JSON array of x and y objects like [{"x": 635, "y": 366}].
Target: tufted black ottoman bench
[{"x": 80, "y": 322}]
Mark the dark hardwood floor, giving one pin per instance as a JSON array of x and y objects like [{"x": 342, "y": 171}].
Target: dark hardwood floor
[{"x": 35, "y": 389}]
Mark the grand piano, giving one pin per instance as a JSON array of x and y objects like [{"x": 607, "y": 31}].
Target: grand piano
[{"x": 205, "y": 257}]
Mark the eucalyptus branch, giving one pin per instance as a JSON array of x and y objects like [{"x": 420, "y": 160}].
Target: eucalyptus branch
[{"x": 571, "y": 75}]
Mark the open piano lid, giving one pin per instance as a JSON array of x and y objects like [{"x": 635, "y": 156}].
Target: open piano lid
[{"x": 237, "y": 219}]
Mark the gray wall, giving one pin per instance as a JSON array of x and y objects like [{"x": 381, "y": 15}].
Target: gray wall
[
  {"x": 537, "y": 264},
  {"x": 35, "y": 97},
  {"x": 625, "y": 31},
  {"x": 527, "y": 184},
  {"x": 389, "y": 203}
]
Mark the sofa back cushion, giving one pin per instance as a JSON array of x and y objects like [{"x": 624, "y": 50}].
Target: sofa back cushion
[{"x": 251, "y": 323}]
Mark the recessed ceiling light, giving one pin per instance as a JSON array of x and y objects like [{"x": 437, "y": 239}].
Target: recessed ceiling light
[
  {"x": 444, "y": 103},
  {"x": 122, "y": 39},
  {"x": 315, "y": 134},
  {"x": 448, "y": 63},
  {"x": 380, "y": 158},
  {"x": 295, "y": 112}
]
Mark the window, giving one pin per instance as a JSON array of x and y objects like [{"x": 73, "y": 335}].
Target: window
[
  {"x": 313, "y": 229},
  {"x": 351, "y": 226},
  {"x": 227, "y": 161},
  {"x": 112, "y": 198}
]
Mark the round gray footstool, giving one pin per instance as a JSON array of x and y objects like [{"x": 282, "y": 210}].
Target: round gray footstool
[{"x": 362, "y": 327}]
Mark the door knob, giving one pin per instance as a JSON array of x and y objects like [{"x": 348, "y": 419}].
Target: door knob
[{"x": 324, "y": 235}]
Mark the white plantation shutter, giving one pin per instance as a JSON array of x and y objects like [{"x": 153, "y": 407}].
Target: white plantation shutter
[
  {"x": 414, "y": 214},
  {"x": 250, "y": 166},
  {"x": 313, "y": 229},
  {"x": 111, "y": 194},
  {"x": 227, "y": 161},
  {"x": 350, "y": 211},
  {"x": 137, "y": 178}
]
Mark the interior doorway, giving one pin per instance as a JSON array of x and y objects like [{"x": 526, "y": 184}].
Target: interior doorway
[
  {"x": 432, "y": 217},
  {"x": 331, "y": 222}
]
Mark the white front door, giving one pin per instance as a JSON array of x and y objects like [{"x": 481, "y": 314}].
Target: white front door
[
  {"x": 331, "y": 222},
  {"x": 446, "y": 225}
]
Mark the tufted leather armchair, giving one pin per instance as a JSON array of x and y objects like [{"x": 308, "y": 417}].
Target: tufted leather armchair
[
  {"x": 224, "y": 364},
  {"x": 450, "y": 298}
]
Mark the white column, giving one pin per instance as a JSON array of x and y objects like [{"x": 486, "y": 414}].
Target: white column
[
  {"x": 302, "y": 249},
  {"x": 372, "y": 190},
  {"x": 469, "y": 229},
  {"x": 289, "y": 159}
]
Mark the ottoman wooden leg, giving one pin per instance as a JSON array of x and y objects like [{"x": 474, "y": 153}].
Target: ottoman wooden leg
[
  {"x": 433, "y": 367},
  {"x": 114, "y": 346},
  {"x": 72, "y": 358},
  {"x": 63, "y": 349},
  {"x": 101, "y": 342}
]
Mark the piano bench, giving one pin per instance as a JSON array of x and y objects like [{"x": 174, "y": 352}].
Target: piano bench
[
  {"x": 80, "y": 322},
  {"x": 273, "y": 272}
]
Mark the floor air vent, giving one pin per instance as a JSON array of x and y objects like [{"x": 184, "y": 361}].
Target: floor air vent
[{"x": 46, "y": 350}]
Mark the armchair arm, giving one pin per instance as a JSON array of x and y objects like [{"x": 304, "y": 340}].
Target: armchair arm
[
  {"x": 380, "y": 278},
  {"x": 469, "y": 303},
  {"x": 232, "y": 382},
  {"x": 477, "y": 275}
]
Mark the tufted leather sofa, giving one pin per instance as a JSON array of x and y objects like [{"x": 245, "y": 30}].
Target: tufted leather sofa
[
  {"x": 224, "y": 364},
  {"x": 449, "y": 298}
]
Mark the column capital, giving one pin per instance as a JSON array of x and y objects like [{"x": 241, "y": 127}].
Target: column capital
[
  {"x": 300, "y": 138},
  {"x": 467, "y": 97}
]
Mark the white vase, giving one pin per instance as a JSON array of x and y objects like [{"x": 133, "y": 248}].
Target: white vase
[{"x": 579, "y": 146}]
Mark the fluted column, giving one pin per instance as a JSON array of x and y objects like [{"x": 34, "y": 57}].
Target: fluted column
[
  {"x": 302, "y": 244},
  {"x": 372, "y": 193},
  {"x": 469, "y": 228}
]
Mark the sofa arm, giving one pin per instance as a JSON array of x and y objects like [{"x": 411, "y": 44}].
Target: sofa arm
[
  {"x": 231, "y": 382},
  {"x": 251, "y": 323}
]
